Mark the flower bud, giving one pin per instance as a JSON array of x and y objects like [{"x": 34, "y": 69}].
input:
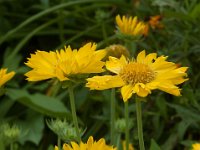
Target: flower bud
[
  {"x": 10, "y": 133},
  {"x": 117, "y": 50},
  {"x": 63, "y": 129}
]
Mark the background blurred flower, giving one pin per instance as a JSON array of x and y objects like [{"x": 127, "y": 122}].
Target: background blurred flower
[
  {"x": 196, "y": 146},
  {"x": 130, "y": 26},
  {"x": 154, "y": 22},
  {"x": 4, "y": 76}
]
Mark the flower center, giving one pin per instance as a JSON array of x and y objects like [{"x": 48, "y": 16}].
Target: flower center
[{"x": 135, "y": 72}]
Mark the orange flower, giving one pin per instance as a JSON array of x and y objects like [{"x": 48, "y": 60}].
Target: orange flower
[{"x": 154, "y": 22}]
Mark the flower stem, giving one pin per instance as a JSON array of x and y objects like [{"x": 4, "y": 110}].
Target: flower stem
[
  {"x": 73, "y": 109},
  {"x": 112, "y": 116},
  {"x": 118, "y": 141},
  {"x": 59, "y": 143},
  {"x": 127, "y": 125},
  {"x": 139, "y": 123},
  {"x": 11, "y": 146}
]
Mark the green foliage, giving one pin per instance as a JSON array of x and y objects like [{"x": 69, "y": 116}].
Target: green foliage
[{"x": 25, "y": 26}]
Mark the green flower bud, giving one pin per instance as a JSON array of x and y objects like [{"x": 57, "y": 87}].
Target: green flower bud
[
  {"x": 120, "y": 125},
  {"x": 63, "y": 129},
  {"x": 10, "y": 133}
]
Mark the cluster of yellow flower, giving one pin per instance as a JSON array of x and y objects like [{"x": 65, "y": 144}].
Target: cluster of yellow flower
[{"x": 135, "y": 76}]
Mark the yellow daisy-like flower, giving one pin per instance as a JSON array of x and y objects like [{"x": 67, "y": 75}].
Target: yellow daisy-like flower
[
  {"x": 130, "y": 26},
  {"x": 65, "y": 63},
  {"x": 196, "y": 146},
  {"x": 90, "y": 145},
  {"x": 140, "y": 76},
  {"x": 4, "y": 76}
]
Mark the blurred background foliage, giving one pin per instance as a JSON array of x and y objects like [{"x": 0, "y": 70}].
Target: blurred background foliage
[{"x": 27, "y": 26}]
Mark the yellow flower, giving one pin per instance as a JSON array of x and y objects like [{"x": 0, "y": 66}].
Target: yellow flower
[
  {"x": 196, "y": 146},
  {"x": 140, "y": 76},
  {"x": 90, "y": 145},
  {"x": 4, "y": 76},
  {"x": 65, "y": 63},
  {"x": 130, "y": 26},
  {"x": 124, "y": 146}
]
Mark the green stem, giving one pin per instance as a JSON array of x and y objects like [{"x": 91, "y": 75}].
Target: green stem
[
  {"x": 53, "y": 89},
  {"x": 118, "y": 141},
  {"x": 131, "y": 46},
  {"x": 127, "y": 125},
  {"x": 112, "y": 116},
  {"x": 61, "y": 26},
  {"x": 73, "y": 109},
  {"x": 59, "y": 143},
  {"x": 139, "y": 123},
  {"x": 12, "y": 146}
]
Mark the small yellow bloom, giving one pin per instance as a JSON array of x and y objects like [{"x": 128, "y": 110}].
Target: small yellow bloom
[
  {"x": 65, "y": 63},
  {"x": 196, "y": 146},
  {"x": 4, "y": 76},
  {"x": 124, "y": 146},
  {"x": 140, "y": 76},
  {"x": 130, "y": 26},
  {"x": 90, "y": 145}
]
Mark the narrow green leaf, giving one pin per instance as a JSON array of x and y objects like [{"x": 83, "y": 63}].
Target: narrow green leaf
[
  {"x": 154, "y": 145},
  {"x": 195, "y": 12}
]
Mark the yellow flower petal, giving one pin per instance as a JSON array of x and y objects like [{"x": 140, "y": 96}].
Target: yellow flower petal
[
  {"x": 141, "y": 57},
  {"x": 196, "y": 146},
  {"x": 115, "y": 65},
  {"x": 104, "y": 82},
  {"x": 149, "y": 58},
  {"x": 4, "y": 76},
  {"x": 90, "y": 145},
  {"x": 127, "y": 91},
  {"x": 140, "y": 90},
  {"x": 169, "y": 88}
]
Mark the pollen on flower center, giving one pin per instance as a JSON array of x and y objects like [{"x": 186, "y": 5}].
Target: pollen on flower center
[{"x": 135, "y": 72}]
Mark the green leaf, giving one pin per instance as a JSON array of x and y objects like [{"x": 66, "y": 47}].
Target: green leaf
[
  {"x": 187, "y": 114},
  {"x": 32, "y": 128},
  {"x": 5, "y": 106},
  {"x": 41, "y": 103},
  {"x": 177, "y": 15},
  {"x": 154, "y": 145},
  {"x": 195, "y": 12},
  {"x": 171, "y": 142},
  {"x": 182, "y": 128}
]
